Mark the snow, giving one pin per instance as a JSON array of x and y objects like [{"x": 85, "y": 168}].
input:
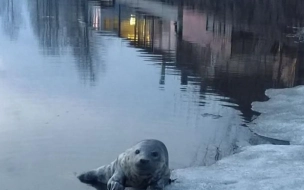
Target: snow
[
  {"x": 262, "y": 166},
  {"x": 282, "y": 116},
  {"x": 255, "y": 167}
]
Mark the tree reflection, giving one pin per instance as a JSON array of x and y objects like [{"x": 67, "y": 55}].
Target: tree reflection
[
  {"x": 58, "y": 27},
  {"x": 48, "y": 26},
  {"x": 234, "y": 48},
  {"x": 10, "y": 12}
]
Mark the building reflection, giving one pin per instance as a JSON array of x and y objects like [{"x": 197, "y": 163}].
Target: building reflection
[
  {"x": 229, "y": 58},
  {"x": 141, "y": 29}
]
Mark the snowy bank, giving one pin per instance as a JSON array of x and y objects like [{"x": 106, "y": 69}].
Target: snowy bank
[
  {"x": 282, "y": 116},
  {"x": 255, "y": 167},
  {"x": 263, "y": 166}
]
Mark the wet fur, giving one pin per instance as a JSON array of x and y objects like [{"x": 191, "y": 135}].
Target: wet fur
[{"x": 123, "y": 172}]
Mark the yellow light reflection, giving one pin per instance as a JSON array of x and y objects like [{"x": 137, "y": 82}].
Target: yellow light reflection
[
  {"x": 132, "y": 20},
  {"x": 136, "y": 29}
]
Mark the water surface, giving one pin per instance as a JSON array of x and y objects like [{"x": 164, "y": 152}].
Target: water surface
[{"x": 82, "y": 80}]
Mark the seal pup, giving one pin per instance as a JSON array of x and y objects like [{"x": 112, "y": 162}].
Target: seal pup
[{"x": 143, "y": 166}]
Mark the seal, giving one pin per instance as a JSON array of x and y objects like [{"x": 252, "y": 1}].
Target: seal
[{"x": 144, "y": 166}]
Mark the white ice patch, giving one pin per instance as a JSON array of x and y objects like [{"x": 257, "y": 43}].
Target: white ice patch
[
  {"x": 264, "y": 166},
  {"x": 282, "y": 116},
  {"x": 257, "y": 167}
]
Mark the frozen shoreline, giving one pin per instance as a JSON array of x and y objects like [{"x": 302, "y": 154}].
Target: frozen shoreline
[
  {"x": 261, "y": 166},
  {"x": 282, "y": 115}
]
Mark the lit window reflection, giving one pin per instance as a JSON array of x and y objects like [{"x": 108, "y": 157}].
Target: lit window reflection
[
  {"x": 96, "y": 13},
  {"x": 132, "y": 20}
]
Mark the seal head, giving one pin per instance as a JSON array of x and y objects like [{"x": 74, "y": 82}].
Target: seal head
[{"x": 147, "y": 157}]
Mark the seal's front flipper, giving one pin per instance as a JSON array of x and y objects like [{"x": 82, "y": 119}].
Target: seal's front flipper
[
  {"x": 113, "y": 185},
  {"x": 116, "y": 182},
  {"x": 158, "y": 185},
  {"x": 89, "y": 177}
]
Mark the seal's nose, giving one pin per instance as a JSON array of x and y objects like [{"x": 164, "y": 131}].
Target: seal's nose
[
  {"x": 81, "y": 177},
  {"x": 144, "y": 161}
]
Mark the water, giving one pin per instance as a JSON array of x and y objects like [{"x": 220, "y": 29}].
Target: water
[{"x": 82, "y": 80}]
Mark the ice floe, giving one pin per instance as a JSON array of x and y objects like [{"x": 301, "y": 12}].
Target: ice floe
[
  {"x": 282, "y": 116},
  {"x": 255, "y": 167}
]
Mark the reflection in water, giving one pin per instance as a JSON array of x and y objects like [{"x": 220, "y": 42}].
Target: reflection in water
[
  {"x": 10, "y": 17},
  {"x": 48, "y": 25},
  {"x": 223, "y": 53},
  {"x": 58, "y": 28},
  {"x": 185, "y": 72}
]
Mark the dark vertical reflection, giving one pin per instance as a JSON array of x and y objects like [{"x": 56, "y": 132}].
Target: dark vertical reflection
[
  {"x": 59, "y": 25},
  {"x": 10, "y": 12},
  {"x": 83, "y": 42},
  {"x": 47, "y": 25}
]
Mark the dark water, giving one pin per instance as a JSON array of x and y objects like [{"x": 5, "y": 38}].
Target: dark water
[{"x": 80, "y": 80}]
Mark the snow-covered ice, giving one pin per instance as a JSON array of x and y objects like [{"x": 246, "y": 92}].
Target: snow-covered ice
[
  {"x": 282, "y": 116},
  {"x": 263, "y": 166},
  {"x": 255, "y": 167}
]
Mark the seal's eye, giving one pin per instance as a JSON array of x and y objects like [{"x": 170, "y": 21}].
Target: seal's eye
[
  {"x": 137, "y": 151},
  {"x": 154, "y": 154}
]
